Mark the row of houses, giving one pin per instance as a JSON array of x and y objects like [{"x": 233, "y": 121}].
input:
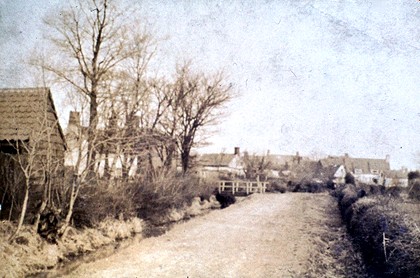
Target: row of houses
[
  {"x": 27, "y": 111},
  {"x": 298, "y": 168}
]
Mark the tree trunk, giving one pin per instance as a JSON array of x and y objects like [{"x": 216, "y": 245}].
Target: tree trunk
[
  {"x": 185, "y": 159},
  {"x": 38, "y": 214},
  {"x": 73, "y": 195},
  {"x": 23, "y": 212},
  {"x": 93, "y": 122}
]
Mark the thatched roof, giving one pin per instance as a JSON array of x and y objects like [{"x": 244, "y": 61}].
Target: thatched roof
[
  {"x": 22, "y": 111},
  {"x": 216, "y": 159},
  {"x": 351, "y": 163}
]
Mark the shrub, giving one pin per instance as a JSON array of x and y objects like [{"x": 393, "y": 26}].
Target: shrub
[
  {"x": 414, "y": 190},
  {"x": 349, "y": 179},
  {"x": 309, "y": 187},
  {"x": 96, "y": 203},
  {"x": 225, "y": 199},
  {"x": 278, "y": 186},
  {"x": 394, "y": 191},
  {"x": 159, "y": 196},
  {"x": 389, "y": 241},
  {"x": 413, "y": 175}
]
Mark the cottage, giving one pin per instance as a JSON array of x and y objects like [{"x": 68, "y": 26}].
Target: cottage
[
  {"x": 221, "y": 163},
  {"x": 365, "y": 170},
  {"x": 332, "y": 173}
]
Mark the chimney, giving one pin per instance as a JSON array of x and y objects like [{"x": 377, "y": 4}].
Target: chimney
[
  {"x": 74, "y": 119},
  {"x": 387, "y": 158},
  {"x": 237, "y": 151},
  {"x": 346, "y": 155}
]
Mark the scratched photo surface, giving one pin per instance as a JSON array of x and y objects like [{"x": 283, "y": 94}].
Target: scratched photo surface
[{"x": 313, "y": 86}]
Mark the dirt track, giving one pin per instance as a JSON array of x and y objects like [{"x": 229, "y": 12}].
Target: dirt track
[{"x": 271, "y": 235}]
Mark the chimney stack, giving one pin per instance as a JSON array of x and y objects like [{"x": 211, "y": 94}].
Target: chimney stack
[
  {"x": 387, "y": 158},
  {"x": 237, "y": 151}
]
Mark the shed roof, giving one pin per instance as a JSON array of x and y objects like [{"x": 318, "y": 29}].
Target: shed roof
[{"x": 22, "y": 111}]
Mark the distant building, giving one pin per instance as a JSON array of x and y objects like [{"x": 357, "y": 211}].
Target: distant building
[
  {"x": 285, "y": 162},
  {"x": 231, "y": 164},
  {"x": 117, "y": 154},
  {"x": 365, "y": 170},
  {"x": 332, "y": 173},
  {"x": 397, "y": 178}
]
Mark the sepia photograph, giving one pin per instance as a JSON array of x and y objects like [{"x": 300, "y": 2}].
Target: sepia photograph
[{"x": 208, "y": 138}]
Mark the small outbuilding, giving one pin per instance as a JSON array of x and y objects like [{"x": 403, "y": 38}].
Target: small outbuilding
[{"x": 30, "y": 138}]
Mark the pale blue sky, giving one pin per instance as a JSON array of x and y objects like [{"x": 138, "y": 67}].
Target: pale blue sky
[{"x": 318, "y": 77}]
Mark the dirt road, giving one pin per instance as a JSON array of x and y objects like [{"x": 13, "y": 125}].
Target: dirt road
[{"x": 270, "y": 235}]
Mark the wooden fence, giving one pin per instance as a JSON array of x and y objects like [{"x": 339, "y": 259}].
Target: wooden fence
[{"x": 246, "y": 187}]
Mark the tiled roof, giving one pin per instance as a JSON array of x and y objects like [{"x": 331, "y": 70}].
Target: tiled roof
[
  {"x": 21, "y": 112},
  {"x": 397, "y": 174},
  {"x": 350, "y": 163}
]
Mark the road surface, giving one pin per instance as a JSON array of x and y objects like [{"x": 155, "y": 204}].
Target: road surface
[{"x": 265, "y": 235}]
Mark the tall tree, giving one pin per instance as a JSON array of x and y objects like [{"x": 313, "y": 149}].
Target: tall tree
[
  {"x": 196, "y": 103},
  {"x": 94, "y": 40}
]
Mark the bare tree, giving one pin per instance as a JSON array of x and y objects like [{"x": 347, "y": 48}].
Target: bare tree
[
  {"x": 256, "y": 165},
  {"x": 196, "y": 103},
  {"x": 94, "y": 40}
]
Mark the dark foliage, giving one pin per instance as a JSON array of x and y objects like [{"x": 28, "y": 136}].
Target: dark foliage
[
  {"x": 277, "y": 186},
  {"x": 413, "y": 175},
  {"x": 349, "y": 179},
  {"x": 390, "y": 244},
  {"x": 309, "y": 187},
  {"x": 414, "y": 190},
  {"x": 225, "y": 199}
]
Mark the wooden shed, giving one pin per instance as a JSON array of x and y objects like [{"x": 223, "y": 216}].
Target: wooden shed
[{"x": 30, "y": 134}]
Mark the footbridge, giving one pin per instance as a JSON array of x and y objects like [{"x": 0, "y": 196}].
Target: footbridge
[{"x": 242, "y": 187}]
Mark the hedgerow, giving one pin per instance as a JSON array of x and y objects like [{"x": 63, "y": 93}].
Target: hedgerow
[{"x": 388, "y": 239}]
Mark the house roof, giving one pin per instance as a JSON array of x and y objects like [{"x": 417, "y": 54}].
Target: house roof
[
  {"x": 278, "y": 161},
  {"x": 328, "y": 171},
  {"x": 397, "y": 174},
  {"x": 350, "y": 163},
  {"x": 22, "y": 111},
  {"x": 216, "y": 159}
]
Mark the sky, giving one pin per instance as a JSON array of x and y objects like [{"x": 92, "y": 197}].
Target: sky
[{"x": 314, "y": 77}]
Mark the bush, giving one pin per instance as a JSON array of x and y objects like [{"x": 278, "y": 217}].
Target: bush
[
  {"x": 413, "y": 175},
  {"x": 225, "y": 199},
  {"x": 414, "y": 190},
  {"x": 349, "y": 179},
  {"x": 101, "y": 201},
  {"x": 277, "y": 186},
  {"x": 159, "y": 196},
  {"x": 309, "y": 187},
  {"x": 389, "y": 242}
]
